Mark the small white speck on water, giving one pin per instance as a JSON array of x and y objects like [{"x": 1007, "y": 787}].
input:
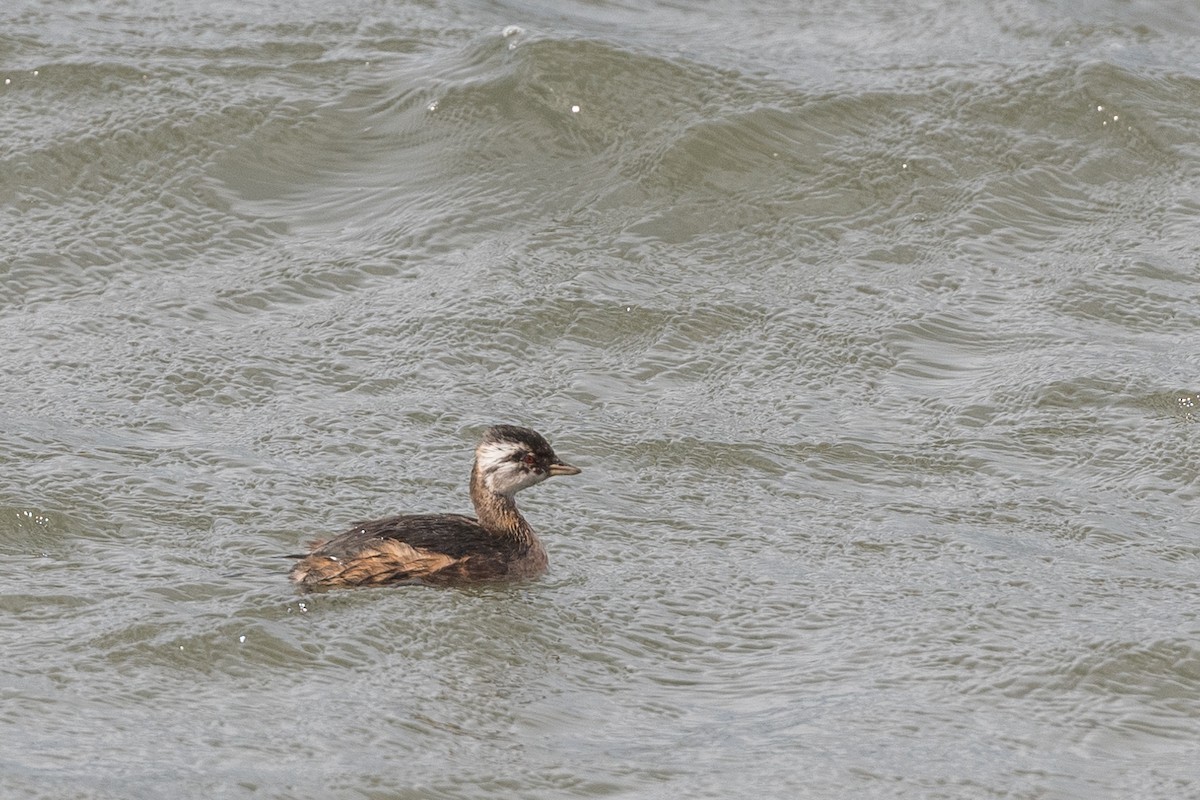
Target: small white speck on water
[
  {"x": 574, "y": 109},
  {"x": 242, "y": 639}
]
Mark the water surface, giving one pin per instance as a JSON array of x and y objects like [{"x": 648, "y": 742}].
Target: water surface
[{"x": 871, "y": 325}]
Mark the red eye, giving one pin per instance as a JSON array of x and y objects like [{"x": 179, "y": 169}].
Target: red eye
[{"x": 530, "y": 459}]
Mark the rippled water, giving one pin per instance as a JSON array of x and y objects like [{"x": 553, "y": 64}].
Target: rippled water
[{"x": 872, "y": 325}]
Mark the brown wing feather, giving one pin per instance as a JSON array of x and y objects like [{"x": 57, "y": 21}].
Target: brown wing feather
[{"x": 380, "y": 561}]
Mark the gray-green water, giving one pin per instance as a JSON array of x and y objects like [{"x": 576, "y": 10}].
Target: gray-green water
[{"x": 873, "y": 325}]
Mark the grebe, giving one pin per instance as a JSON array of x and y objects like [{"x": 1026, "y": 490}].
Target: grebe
[{"x": 449, "y": 548}]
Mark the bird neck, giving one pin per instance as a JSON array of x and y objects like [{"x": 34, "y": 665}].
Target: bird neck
[{"x": 498, "y": 513}]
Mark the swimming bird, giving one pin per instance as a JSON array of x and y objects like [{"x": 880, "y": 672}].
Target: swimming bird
[{"x": 497, "y": 544}]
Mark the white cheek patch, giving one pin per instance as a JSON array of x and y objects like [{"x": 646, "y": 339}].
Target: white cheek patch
[
  {"x": 503, "y": 480},
  {"x": 512, "y": 478},
  {"x": 501, "y": 474}
]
